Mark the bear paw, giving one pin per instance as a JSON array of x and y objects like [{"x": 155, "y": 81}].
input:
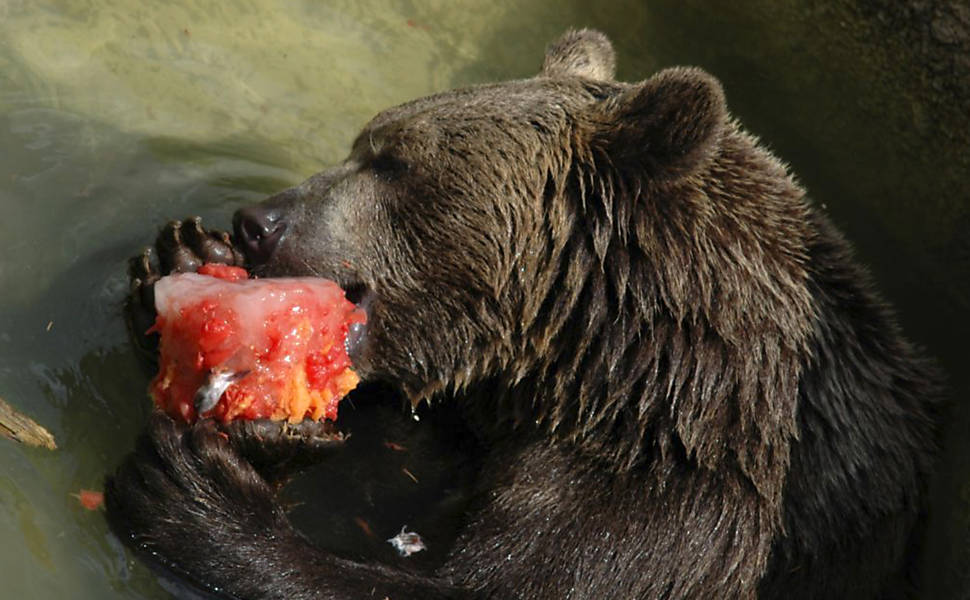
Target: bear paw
[
  {"x": 189, "y": 483},
  {"x": 181, "y": 247}
]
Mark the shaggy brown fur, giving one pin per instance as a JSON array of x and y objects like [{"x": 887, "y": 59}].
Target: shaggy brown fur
[{"x": 687, "y": 387}]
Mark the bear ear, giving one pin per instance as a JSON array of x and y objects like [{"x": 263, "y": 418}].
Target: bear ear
[
  {"x": 583, "y": 53},
  {"x": 669, "y": 125}
]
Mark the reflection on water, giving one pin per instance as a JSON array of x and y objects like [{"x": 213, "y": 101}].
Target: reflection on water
[{"x": 116, "y": 116}]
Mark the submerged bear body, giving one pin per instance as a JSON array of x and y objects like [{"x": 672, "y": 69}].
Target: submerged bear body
[{"x": 685, "y": 385}]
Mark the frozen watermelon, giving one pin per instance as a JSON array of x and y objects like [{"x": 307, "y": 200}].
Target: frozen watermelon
[{"x": 238, "y": 348}]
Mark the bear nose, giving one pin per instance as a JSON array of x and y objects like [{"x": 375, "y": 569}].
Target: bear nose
[{"x": 259, "y": 230}]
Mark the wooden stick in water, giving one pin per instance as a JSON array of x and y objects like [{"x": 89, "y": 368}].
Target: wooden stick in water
[{"x": 22, "y": 428}]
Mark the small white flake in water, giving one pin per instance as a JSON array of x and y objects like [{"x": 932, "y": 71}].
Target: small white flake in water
[{"x": 407, "y": 542}]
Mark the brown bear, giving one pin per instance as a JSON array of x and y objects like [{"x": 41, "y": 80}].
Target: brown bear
[{"x": 685, "y": 385}]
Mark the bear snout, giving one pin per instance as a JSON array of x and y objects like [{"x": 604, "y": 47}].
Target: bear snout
[{"x": 258, "y": 230}]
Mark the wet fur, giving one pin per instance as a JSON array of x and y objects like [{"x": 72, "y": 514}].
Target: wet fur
[{"x": 687, "y": 387}]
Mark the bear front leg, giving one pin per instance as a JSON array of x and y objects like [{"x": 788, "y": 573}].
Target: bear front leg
[
  {"x": 181, "y": 247},
  {"x": 187, "y": 499}
]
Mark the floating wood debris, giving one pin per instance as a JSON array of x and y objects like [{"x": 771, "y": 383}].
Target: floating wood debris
[{"x": 23, "y": 429}]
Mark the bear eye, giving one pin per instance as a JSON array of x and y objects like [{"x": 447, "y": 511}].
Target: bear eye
[{"x": 388, "y": 167}]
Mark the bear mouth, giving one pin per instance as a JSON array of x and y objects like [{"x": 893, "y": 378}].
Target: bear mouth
[
  {"x": 363, "y": 297},
  {"x": 355, "y": 292}
]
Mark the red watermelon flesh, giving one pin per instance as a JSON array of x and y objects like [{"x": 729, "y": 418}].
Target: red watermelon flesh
[{"x": 276, "y": 345}]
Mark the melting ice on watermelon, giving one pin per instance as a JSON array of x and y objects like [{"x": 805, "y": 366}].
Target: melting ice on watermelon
[{"x": 239, "y": 348}]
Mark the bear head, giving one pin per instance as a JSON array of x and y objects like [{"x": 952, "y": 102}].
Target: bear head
[{"x": 620, "y": 263}]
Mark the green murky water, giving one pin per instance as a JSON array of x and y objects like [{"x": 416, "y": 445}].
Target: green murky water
[{"x": 116, "y": 116}]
